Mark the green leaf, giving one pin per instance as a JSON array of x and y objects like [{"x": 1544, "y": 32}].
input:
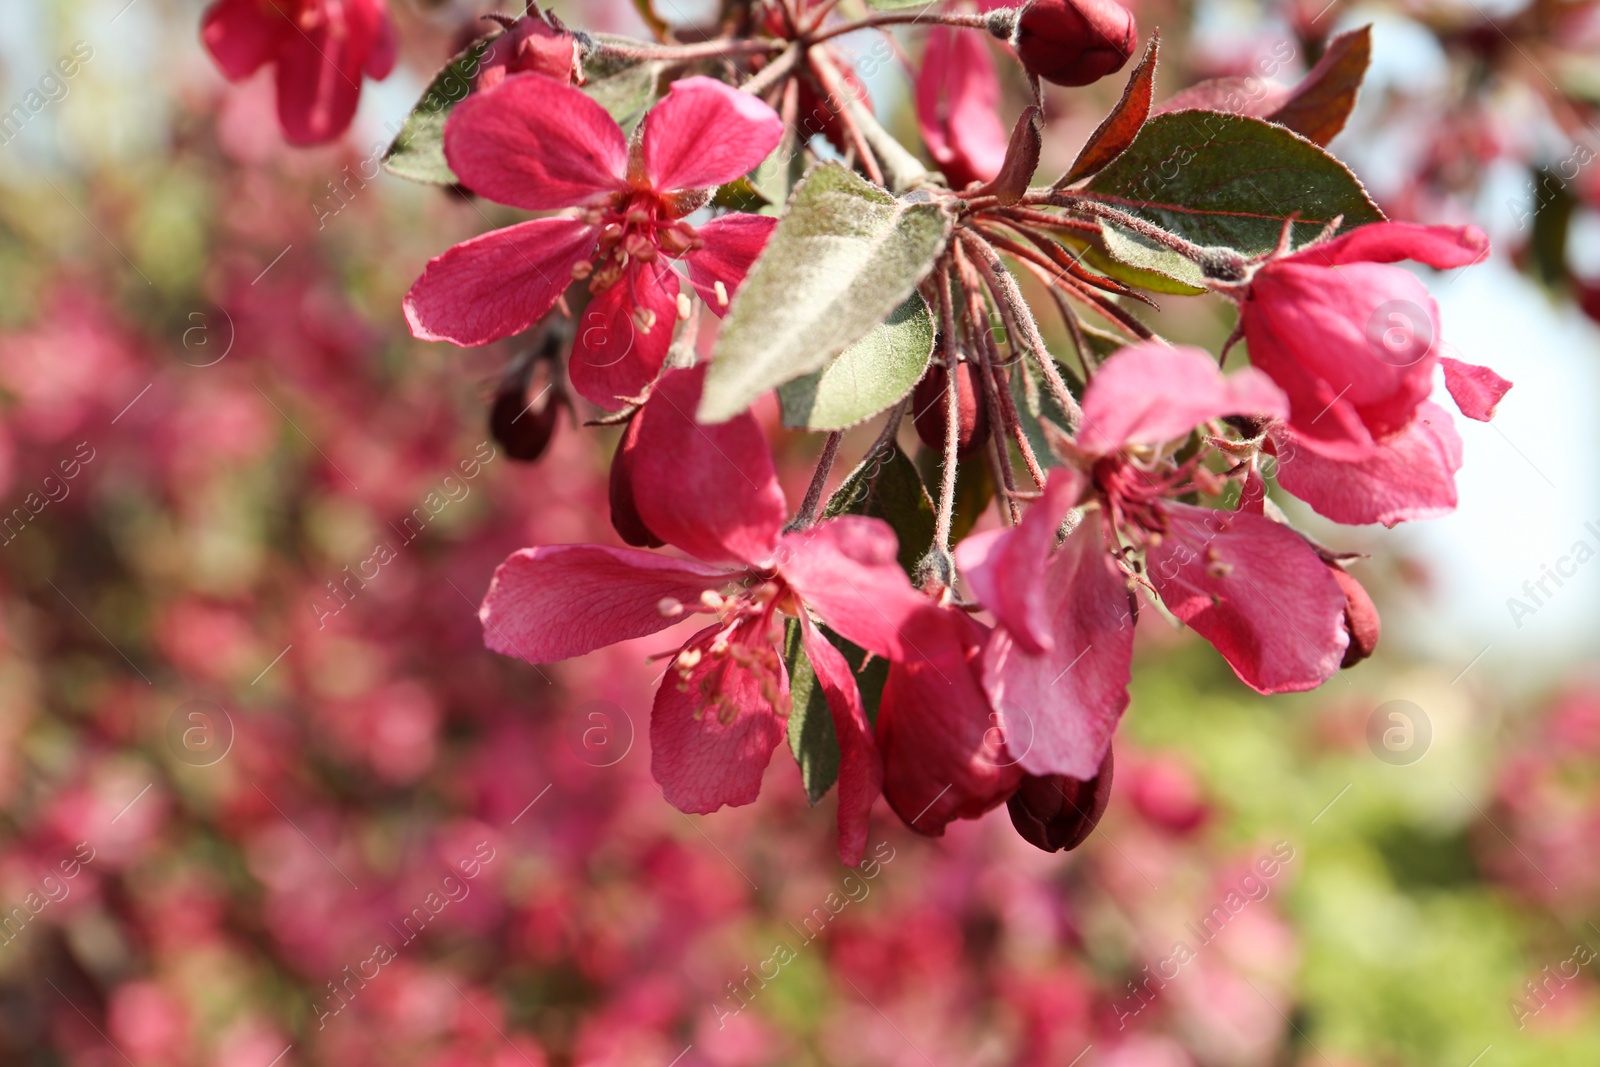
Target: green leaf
[
  {"x": 865, "y": 378},
  {"x": 740, "y": 194},
  {"x": 1231, "y": 180},
  {"x": 1034, "y": 402},
  {"x": 418, "y": 150},
  {"x": 624, "y": 87},
  {"x": 974, "y": 489},
  {"x": 886, "y": 486},
  {"x": 811, "y": 733},
  {"x": 777, "y": 176},
  {"x": 1141, "y": 262},
  {"x": 844, "y": 256}
]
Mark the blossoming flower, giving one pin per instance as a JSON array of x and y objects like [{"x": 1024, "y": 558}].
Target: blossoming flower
[
  {"x": 320, "y": 50},
  {"x": 536, "y": 144},
  {"x": 1057, "y": 666},
  {"x": 712, "y": 491}
]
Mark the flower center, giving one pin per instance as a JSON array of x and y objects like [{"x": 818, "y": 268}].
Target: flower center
[
  {"x": 744, "y": 641},
  {"x": 637, "y": 226}
]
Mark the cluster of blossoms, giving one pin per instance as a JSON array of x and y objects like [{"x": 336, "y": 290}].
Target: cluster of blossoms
[{"x": 960, "y": 669}]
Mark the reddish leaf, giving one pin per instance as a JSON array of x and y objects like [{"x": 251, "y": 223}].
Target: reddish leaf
[
  {"x": 1247, "y": 95},
  {"x": 1117, "y": 131},
  {"x": 1320, "y": 104}
]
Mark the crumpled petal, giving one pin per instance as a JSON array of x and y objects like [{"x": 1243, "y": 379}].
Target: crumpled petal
[
  {"x": 710, "y": 490},
  {"x": 846, "y": 570},
  {"x": 1152, "y": 392},
  {"x": 1061, "y": 706},
  {"x": 498, "y": 283},
  {"x": 1442, "y": 247},
  {"x": 1476, "y": 390},
  {"x": 700, "y": 762},
  {"x": 705, "y": 133},
  {"x": 242, "y": 36},
  {"x": 958, "y": 99},
  {"x": 551, "y": 603},
  {"x": 536, "y": 144},
  {"x": 614, "y": 356},
  {"x": 1256, "y": 590},
  {"x": 732, "y": 243},
  {"x": 943, "y": 748},
  {"x": 1411, "y": 477},
  {"x": 860, "y": 766}
]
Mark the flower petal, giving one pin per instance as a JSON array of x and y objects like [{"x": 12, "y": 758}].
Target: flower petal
[
  {"x": 1152, "y": 392},
  {"x": 943, "y": 748},
  {"x": 732, "y": 243},
  {"x": 499, "y": 283},
  {"x": 537, "y": 144},
  {"x": 860, "y": 766},
  {"x": 319, "y": 77},
  {"x": 1411, "y": 477},
  {"x": 706, "y": 133},
  {"x": 1442, "y": 247},
  {"x": 1256, "y": 590},
  {"x": 1476, "y": 390},
  {"x": 845, "y": 569},
  {"x": 1062, "y": 706},
  {"x": 242, "y": 35},
  {"x": 958, "y": 99},
  {"x": 614, "y": 357},
  {"x": 380, "y": 60},
  {"x": 701, "y": 762},
  {"x": 551, "y": 603},
  {"x": 710, "y": 490},
  {"x": 1003, "y": 566}
]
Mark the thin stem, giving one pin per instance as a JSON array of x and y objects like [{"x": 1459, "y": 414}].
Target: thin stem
[
  {"x": 819, "y": 481},
  {"x": 998, "y": 455},
  {"x": 1095, "y": 209},
  {"x": 770, "y": 74},
  {"x": 819, "y": 14},
  {"x": 720, "y": 47},
  {"x": 836, "y": 93},
  {"x": 947, "y": 476},
  {"x": 1011, "y": 422},
  {"x": 892, "y": 18}
]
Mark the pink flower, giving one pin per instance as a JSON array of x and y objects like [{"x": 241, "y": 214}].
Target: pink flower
[
  {"x": 1057, "y": 666},
  {"x": 320, "y": 50},
  {"x": 713, "y": 492},
  {"x": 1354, "y": 342},
  {"x": 958, "y": 95},
  {"x": 539, "y": 145}
]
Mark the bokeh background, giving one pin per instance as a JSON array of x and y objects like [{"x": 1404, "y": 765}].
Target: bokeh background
[{"x": 230, "y": 772}]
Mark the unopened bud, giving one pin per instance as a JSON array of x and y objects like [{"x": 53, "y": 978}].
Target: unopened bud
[
  {"x": 930, "y": 406},
  {"x": 1075, "y": 42},
  {"x": 527, "y": 409},
  {"x": 1058, "y": 813},
  {"x": 1360, "y": 618},
  {"x": 624, "y": 513}
]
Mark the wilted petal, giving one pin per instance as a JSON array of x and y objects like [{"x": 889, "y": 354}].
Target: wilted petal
[
  {"x": 1256, "y": 590},
  {"x": 624, "y": 336},
  {"x": 241, "y": 35},
  {"x": 551, "y": 603},
  {"x": 1476, "y": 390},
  {"x": 1390, "y": 242},
  {"x": 1061, "y": 707},
  {"x": 705, "y": 133},
  {"x": 700, "y": 761},
  {"x": 710, "y": 490},
  {"x": 846, "y": 570},
  {"x": 958, "y": 99},
  {"x": 1411, "y": 477},
  {"x": 537, "y": 144},
  {"x": 860, "y": 766},
  {"x": 499, "y": 283},
  {"x": 1152, "y": 392},
  {"x": 732, "y": 243}
]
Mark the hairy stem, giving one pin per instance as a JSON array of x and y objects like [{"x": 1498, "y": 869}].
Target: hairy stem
[
  {"x": 901, "y": 18},
  {"x": 819, "y": 481},
  {"x": 947, "y": 476}
]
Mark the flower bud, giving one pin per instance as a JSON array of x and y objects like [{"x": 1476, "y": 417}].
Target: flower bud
[
  {"x": 1058, "y": 813},
  {"x": 1360, "y": 618},
  {"x": 929, "y": 406},
  {"x": 526, "y": 410},
  {"x": 1165, "y": 792},
  {"x": 624, "y": 513},
  {"x": 1075, "y": 42},
  {"x": 532, "y": 44}
]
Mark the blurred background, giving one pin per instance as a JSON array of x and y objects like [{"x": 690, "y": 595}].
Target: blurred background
[{"x": 265, "y": 800}]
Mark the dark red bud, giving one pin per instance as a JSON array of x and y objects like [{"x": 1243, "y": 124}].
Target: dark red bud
[
  {"x": 527, "y": 408},
  {"x": 1059, "y": 813},
  {"x": 1360, "y": 618},
  {"x": 929, "y": 406},
  {"x": 624, "y": 513},
  {"x": 1075, "y": 42}
]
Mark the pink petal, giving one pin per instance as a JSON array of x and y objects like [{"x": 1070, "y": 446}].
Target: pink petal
[
  {"x": 845, "y": 569},
  {"x": 1256, "y": 590},
  {"x": 958, "y": 99},
  {"x": 1411, "y": 477},
  {"x": 1389, "y": 242},
  {"x": 380, "y": 61},
  {"x": 710, "y": 490},
  {"x": 1476, "y": 390},
  {"x": 1354, "y": 348},
  {"x": 1152, "y": 392},
  {"x": 614, "y": 357},
  {"x": 701, "y": 762},
  {"x": 319, "y": 77},
  {"x": 1062, "y": 706},
  {"x": 242, "y": 35},
  {"x": 537, "y": 144},
  {"x": 943, "y": 748},
  {"x": 732, "y": 244},
  {"x": 499, "y": 283},
  {"x": 552, "y": 603},
  {"x": 706, "y": 133},
  {"x": 1003, "y": 566},
  {"x": 860, "y": 766}
]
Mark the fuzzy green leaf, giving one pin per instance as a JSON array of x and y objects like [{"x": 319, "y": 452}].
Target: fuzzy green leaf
[
  {"x": 887, "y": 486},
  {"x": 418, "y": 150},
  {"x": 865, "y": 378}
]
